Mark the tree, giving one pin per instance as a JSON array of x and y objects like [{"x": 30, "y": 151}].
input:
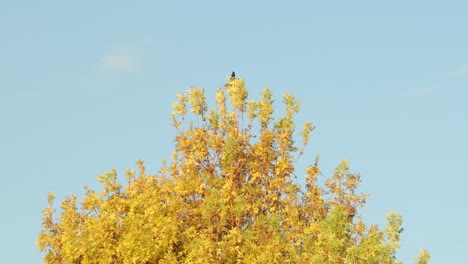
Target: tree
[{"x": 227, "y": 196}]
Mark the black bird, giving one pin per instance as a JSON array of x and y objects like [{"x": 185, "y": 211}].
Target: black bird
[{"x": 233, "y": 76}]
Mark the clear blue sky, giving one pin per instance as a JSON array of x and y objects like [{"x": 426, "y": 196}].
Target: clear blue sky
[{"x": 88, "y": 86}]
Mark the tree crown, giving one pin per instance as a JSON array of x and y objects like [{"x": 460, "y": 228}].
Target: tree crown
[{"x": 227, "y": 196}]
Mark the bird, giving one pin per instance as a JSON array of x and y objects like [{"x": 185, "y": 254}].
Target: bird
[{"x": 233, "y": 76}]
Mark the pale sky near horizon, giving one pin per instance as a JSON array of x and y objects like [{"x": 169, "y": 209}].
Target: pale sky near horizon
[{"x": 88, "y": 86}]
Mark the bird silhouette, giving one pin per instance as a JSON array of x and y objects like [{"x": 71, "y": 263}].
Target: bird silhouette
[{"x": 233, "y": 76}]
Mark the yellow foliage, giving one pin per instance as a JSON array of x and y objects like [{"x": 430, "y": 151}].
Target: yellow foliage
[{"x": 227, "y": 196}]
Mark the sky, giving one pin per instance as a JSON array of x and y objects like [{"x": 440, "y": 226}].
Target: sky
[{"x": 87, "y": 86}]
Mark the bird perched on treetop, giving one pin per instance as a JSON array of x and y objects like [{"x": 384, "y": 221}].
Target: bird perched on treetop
[{"x": 233, "y": 76}]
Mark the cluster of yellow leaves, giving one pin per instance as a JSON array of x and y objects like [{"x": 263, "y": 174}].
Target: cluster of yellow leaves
[{"x": 226, "y": 197}]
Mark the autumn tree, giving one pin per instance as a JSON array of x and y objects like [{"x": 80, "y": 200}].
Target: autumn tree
[{"x": 227, "y": 195}]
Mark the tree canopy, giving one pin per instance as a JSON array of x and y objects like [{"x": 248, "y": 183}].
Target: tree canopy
[{"x": 227, "y": 195}]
